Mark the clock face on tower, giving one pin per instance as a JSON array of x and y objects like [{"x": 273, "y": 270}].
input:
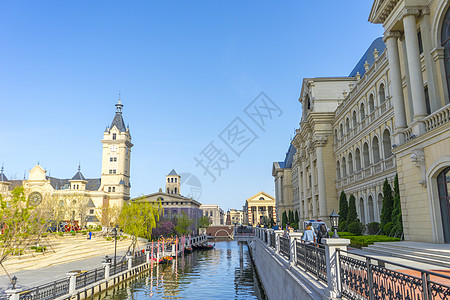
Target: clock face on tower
[
  {"x": 112, "y": 148},
  {"x": 35, "y": 198}
]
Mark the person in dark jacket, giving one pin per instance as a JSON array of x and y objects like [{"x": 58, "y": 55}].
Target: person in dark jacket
[{"x": 323, "y": 233}]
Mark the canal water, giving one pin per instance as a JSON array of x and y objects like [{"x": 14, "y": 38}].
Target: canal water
[{"x": 203, "y": 274}]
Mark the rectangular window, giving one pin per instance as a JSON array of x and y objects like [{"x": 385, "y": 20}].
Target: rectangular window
[
  {"x": 91, "y": 211},
  {"x": 427, "y": 100},
  {"x": 114, "y": 171},
  {"x": 110, "y": 171},
  {"x": 419, "y": 37},
  {"x": 113, "y": 159}
]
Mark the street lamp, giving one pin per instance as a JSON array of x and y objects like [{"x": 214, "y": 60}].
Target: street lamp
[
  {"x": 115, "y": 244},
  {"x": 14, "y": 281},
  {"x": 334, "y": 219}
]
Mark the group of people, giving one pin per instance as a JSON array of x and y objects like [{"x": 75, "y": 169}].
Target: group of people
[{"x": 313, "y": 235}]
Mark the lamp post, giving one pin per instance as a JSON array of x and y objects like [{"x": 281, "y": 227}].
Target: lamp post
[
  {"x": 334, "y": 219},
  {"x": 13, "y": 282},
  {"x": 115, "y": 244}
]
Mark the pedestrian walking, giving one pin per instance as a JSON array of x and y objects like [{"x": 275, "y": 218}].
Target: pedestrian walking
[
  {"x": 309, "y": 236},
  {"x": 323, "y": 233}
]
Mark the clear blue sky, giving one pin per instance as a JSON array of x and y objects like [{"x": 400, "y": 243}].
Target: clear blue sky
[{"x": 185, "y": 69}]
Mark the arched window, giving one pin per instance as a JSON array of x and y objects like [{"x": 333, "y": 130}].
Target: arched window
[
  {"x": 370, "y": 209},
  {"x": 114, "y": 189},
  {"x": 338, "y": 170},
  {"x": 308, "y": 103},
  {"x": 168, "y": 191},
  {"x": 355, "y": 120},
  {"x": 371, "y": 104},
  {"x": 341, "y": 131},
  {"x": 347, "y": 125},
  {"x": 375, "y": 150},
  {"x": 362, "y": 113},
  {"x": 445, "y": 38},
  {"x": 380, "y": 204},
  {"x": 109, "y": 189},
  {"x": 387, "y": 148},
  {"x": 344, "y": 167},
  {"x": 382, "y": 93},
  {"x": 362, "y": 216},
  {"x": 443, "y": 181},
  {"x": 366, "y": 155},
  {"x": 350, "y": 164},
  {"x": 168, "y": 180},
  {"x": 171, "y": 179},
  {"x": 358, "y": 159},
  {"x": 176, "y": 190},
  {"x": 335, "y": 136},
  {"x": 175, "y": 180}
]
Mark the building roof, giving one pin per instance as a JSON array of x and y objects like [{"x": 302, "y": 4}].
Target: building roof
[
  {"x": 172, "y": 173},
  {"x": 289, "y": 157},
  {"x": 78, "y": 176},
  {"x": 92, "y": 219},
  {"x": 92, "y": 184},
  {"x": 368, "y": 56},
  {"x": 90, "y": 203}
]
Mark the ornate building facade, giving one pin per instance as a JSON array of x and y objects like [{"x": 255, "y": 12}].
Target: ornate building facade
[
  {"x": 390, "y": 115},
  {"x": 85, "y": 200},
  {"x": 258, "y": 208}
]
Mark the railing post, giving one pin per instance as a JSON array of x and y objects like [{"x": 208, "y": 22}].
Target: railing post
[
  {"x": 173, "y": 250},
  {"x": 425, "y": 290},
  {"x": 333, "y": 268},
  {"x": 278, "y": 233},
  {"x": 293, "y": 236},
  {"x": 72, "y": 281},
  {"x": 130, "y": 262},
  {"x": 369, "y": 278},
  {"x": 269, "y": 237},
  {"x": 147, "y": 256},
  {"x": 13, "y": 294},
  {"x": 107, "y": 267}
]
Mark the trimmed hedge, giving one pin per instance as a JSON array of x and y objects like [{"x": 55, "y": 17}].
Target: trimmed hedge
[{"x": 365, "y": 240}]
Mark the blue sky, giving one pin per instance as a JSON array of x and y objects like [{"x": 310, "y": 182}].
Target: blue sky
[{"x": 185, "y": 70}]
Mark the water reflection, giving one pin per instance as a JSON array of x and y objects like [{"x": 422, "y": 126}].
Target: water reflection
[{"x": 208, "y": 274}]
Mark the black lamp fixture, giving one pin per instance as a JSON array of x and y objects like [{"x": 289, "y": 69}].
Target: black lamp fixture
[
  {"x": 334, "y": 219},
  {"x": 14, "y": 281}
]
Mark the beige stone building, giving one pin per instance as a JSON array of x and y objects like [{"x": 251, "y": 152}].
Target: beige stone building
[
  {"x": 82, "y": 199},
  {"x": 236, "y": 217},
  {"x": 215, "y": 214},
  {"x": 258, "y": 208},
  {"x": 284, "y": 176},
  {"x": 390, "y": 115}
]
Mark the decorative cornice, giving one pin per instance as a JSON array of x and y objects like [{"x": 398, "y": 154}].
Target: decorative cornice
[{"x": 425, "y": 11}]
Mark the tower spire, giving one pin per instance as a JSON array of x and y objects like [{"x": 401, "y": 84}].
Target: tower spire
[{"x": 119, "y": 105}]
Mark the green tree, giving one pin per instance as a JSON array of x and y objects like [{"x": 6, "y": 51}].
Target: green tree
[
  {"x": 291, "y": 217},
  {"x": 284, "y": 219},
  {"x": 183, "y": 224},
  {"x": 272, "y": 222},
  {"x": 296, "y": 218},
  {"x": 343, "y": 207},
  {"x": 204, "y": 222},
  {"x": 397, "y": 230},
  {"x": 139, "y": 218},
  {"x": 19, "y": 223},
  {"x": 388, "y": 205},
  {"x": 352, "y": 216}
]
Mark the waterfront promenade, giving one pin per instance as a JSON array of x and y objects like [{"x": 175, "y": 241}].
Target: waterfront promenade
[{"x": 71, "y": 253}]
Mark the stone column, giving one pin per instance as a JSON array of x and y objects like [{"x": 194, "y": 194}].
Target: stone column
[
  {"x": 305, "y": 194},
  {"x": 415, "y": 69},
  {"x": 333, "y": 271},
  {"x": 313, "y": 179},
  {"x": 72, "y": 281},
  {"x": 293, "y": 236},
  {"x": 130, "y": 261},
  {"x": 13, "y": 294},
  {"x": 107, "y": 266},
  {"x": 320, "y": 142},
  {"x": 391, "y": 39},
  {"x": 278, "y": 233}
]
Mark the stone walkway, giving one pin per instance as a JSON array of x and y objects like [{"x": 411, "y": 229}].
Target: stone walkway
[{"x": 71, "y": 253}]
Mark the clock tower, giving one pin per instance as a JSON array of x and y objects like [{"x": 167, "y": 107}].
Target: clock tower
[{"x": 115, "y": 181}]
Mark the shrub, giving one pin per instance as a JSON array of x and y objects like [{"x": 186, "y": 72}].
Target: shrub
[
  {"x": 387, "y": 206},
  {"x": 108, "y": 238},
  {"x": 44, "y": 235},
  {"x": 73, "y": 233},
  {"x": 343, "y": 226},
  {"x": 388, "y": 228},
  {"x": 373, "y": 228},
  {"x": 61, "y": 233},
  {"x": 352, "y": 215},
  {"x": 356, "y": 228}
]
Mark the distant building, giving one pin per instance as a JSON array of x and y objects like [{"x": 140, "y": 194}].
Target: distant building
[
  {"x": 236, "y": 217},
  {"x": 258, "y": 208},
  {"x": 284, "y": 177},
  {"x": 173, "y": 203},
  {"x": 83, "y": 198},
  {"x": 215, "y": 214}
]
